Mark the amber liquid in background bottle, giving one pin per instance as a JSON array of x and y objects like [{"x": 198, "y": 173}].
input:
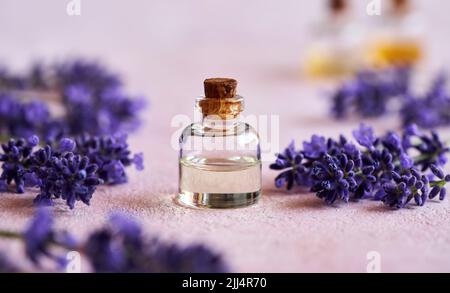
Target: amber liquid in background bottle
[
  {"x": 388, "y": 53},
  {"x": 397, "y": 39}
]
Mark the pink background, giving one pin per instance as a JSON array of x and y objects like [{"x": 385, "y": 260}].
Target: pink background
[{"x": 165, "y": 49}]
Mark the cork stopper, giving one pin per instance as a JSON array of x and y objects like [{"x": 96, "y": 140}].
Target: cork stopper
[
  {"x": 220, "y": 98},
  {"x": 401, "y": 6},
  {"x": 338, "y": 6},
  {"x": 220, "y": 88}
]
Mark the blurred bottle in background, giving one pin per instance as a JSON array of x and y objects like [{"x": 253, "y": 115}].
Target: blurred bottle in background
[
  {"x": 396, "y": 37},
  {"x": 335, "y": 43}
]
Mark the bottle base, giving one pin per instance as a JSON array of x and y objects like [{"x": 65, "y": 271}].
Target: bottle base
[{"x": 217, "y": 200}]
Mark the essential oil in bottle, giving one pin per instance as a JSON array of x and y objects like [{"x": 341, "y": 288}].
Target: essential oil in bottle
[
  {"x": 220, "y": 160},
  {"x": 397, "y": 39}
]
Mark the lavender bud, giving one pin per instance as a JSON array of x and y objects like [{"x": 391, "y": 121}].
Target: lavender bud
[
  {"x": 434, "y": 192},
  {"x": 442, "y": 194},
  {"x": 437, "y": 171},
  {"x": 67, "y": 145}
]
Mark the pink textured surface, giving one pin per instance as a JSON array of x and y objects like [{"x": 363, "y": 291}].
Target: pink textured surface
[{"x": 165, "y": 51}]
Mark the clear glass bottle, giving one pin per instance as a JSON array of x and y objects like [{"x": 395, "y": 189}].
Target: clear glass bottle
[
  {"x": 397, "y": 37},
  {"x": 334, "y": 44},
  {"x": 219, "y": 160}
]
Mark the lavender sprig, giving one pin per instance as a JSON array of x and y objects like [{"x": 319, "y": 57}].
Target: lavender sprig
[
  {"x": 370, "y": 93},
  {"x": 111, "y": 155},
  {"x": 65, "y": 170},
  {"x": 93, "y": 99},
  {"x": 40, "y": 237},
  {"x": 380, "y": 168},
  {"x": 430, "y": 110},
  {"x": 16, "y": 160},
  {"x": 120, "y": 246},
  {"x": 67, "y": 176}
]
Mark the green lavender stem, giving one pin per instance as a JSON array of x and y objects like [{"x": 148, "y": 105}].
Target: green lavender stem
[
  {"x": 18, "y": 236},
  {"x": 10, "y": 235},
  {"x": 423, "y": 157},
  {"x": 440, "y": 183}
]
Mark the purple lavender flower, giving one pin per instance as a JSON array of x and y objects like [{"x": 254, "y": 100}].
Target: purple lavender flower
[
  {"x": 33, "y": 141},
  {"x": 333, "y": 178},
  {"x": 343, "y": 99},
  {"x": 406, "y": 187},
  {"x": 370, "y": 92},
  {"x": 406, "y": 161},
  {"x": 127, "y": 227},
  {"x": 21, "y": 119},
  {"x": 392, "y": 142},
  {"x": 81, "y": 109},
  {"x": 3, "y": 186},
  {"x": 16, "y": 159},
  {"x": 382, "y": 160},
  {"x": 138, "y": 161},
  {"x": 433, "y": 151},
  {"x": 119, "y": 111},
  {"x": 111, "y": 154},
  {"x": 67, "y": 145},
  {"x": 78, "y": 94},
  {"x": 409, "y": 132},
  {"x": 438, "y": 186},
  {"x": 118, "y": 247},
  {"x": 93, "y": 99},
  {"x": 371, "y": 100},
  {"x": 114, "y": 172},
  {"x": 100, "y": 111},
  {"x": 383, "y": 170},
  {"x": 96, "y": 116},
  {"x": 121, "y": 247},
  {"x": 290, "y": 161},
  {"x": 106, "y": 254},
  {"x": 364, "y": 136},
  {"x": 92, "y": 74},
  {"x": 438, "y": 172},
  {"x": 430, "y": 111},
  {"x": 439, "y": 85},
  {"x": 190, "y": 259},
  {"x": 315, "y": 148},
  {"x": 366, "y": 183},
  {"x": 60, "y": 173},
  {"x": 396, "y": 195},
  {"x": 413, "y": 111},
  {"x": 55, "y": 130},
  {"x": 69, "y": 177},
  {"x": 40, "y": 236}
]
